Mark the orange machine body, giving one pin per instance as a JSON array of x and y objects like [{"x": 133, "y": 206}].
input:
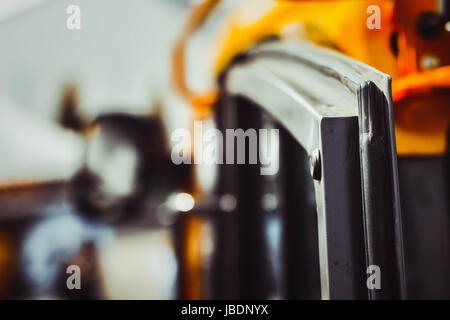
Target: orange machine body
[{"x": 419, "y": 66}]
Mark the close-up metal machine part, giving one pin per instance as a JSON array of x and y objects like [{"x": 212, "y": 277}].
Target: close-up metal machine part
[
  {"x": 340, "y": 132},
  {"x": 334, "y": 185},
  {"x": 341, "y": 114}
]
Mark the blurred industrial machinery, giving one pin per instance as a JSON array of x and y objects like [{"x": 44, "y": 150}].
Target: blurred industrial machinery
[{"x": 360, "y": 94}]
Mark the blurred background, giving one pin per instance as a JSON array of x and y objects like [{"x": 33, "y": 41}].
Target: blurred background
[{"x": 54, "y": 83}]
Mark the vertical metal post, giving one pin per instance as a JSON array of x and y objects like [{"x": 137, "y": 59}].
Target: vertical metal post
[
  {"x": 241, "y": 267},
  {"x": 301, "y": 273},
  {"x": 378, "y": 192}
]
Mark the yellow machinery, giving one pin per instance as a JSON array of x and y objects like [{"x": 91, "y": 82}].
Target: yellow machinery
[{"x": 418, "y": 62}]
